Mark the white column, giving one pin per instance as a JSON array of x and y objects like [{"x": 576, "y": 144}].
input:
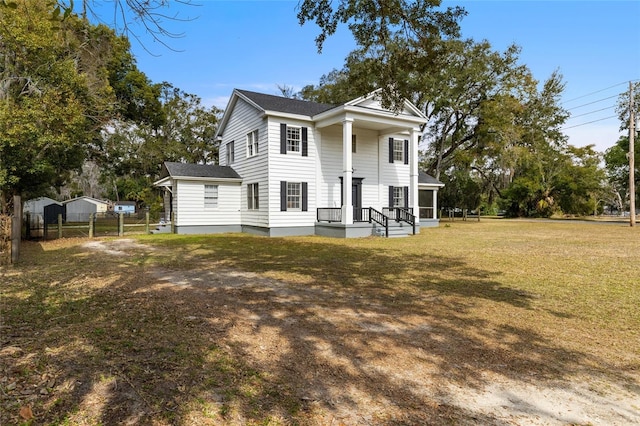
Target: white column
[
  {"x": 435, "y": 203},
  {"x": 347, "y": 172},
  {"x": 413, "y": 171}
]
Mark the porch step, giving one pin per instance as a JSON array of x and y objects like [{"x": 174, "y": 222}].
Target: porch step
[{"x": 396, "y": 230}]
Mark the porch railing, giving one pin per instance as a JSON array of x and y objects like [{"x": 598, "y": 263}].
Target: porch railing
[
  {"x": 379, "y": 218},
  {"x": 400, "y": 214},
  {"x": 392, "y": 212},
  {"x": 362, "y": 214},
  {"x": 329, "y": 214},
  {"x": 366, "y": 214}
]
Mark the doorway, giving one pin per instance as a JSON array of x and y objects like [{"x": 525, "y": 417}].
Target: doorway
[{"x": 356, "y": 197}]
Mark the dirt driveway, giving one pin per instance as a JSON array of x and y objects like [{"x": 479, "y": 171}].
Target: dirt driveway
[{"x": 251, "y": 347}]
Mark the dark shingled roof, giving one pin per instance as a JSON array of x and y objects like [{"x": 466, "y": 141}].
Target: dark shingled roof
[
  {"x": 198, "y": 170},
  {"x": 287, "y": 105},
  {"x": 425, "y": 178}
]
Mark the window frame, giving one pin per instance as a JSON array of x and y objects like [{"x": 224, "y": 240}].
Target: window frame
[
  {"x": 253, "y": 196},
  {"x": 398, "y": 198},
  {"x": 211, "y": 192},
  {"x": 293, "y": 142},
  {"x": 231, "y": 152},
  {"x": 398, "y": 150},
  {"x": 294, "y": 198},
  {"x": 252, "y": 143}
]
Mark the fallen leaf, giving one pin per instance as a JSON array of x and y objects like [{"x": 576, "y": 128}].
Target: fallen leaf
[{"x": 26, "y": 413}]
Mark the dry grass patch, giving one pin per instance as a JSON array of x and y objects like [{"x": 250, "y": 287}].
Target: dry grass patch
[{"x": 236, "y": 329}]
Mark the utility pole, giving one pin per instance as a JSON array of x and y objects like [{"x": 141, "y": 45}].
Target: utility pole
[{"x": 632, "y": 166}]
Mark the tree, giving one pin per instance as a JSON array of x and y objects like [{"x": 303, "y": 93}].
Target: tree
[
  {"x": 616, "y": 161},
  {"x": 133, "y": 153},
  {"x": 152, "y": 15},
  {"x": 62, "y": 81},
  {"x": 398, "y": 39},
  {"x": 47, "y": 104},
  {"x": 489, "y": 126}
]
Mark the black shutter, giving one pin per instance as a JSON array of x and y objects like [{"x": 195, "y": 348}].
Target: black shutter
[
  {"x": 283, "y": 138},
  {"x": 283, "y": 196},
  {"x": 305, "y": 192},
  {"x": 390, "y": 196},
  {"x": 406, "y": 197},
  {"x": 391, "y": 150},
  {"x": 305, "y": 142},
  {"x": 406, "y": 151}
]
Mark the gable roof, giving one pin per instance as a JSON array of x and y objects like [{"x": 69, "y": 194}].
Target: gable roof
[
  {"x": 428, "y": 179},
  {"x": 366, "y": 108},
  {"x": 87, "y": 199},
  {"x": 282, "y": 104},
  {"x": 175, "y": 169}
]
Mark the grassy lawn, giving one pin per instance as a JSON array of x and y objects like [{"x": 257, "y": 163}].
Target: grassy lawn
[{"x": 237, "y": 329}]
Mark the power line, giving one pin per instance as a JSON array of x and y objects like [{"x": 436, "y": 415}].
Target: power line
[
  {"x": 593, "y": 93},
  {"x": 598, "y": 91},
  {"x": 590, "y": 112},
  {"x": 593, "y": 102},
  {"x": 589, "y": 122}
]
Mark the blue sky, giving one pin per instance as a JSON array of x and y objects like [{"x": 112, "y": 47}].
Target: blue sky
[{"x": 258, "y": 45}]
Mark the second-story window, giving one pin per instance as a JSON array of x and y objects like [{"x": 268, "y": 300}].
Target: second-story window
[
  {"x": 252, "y": 143},
  {"x": 293, "y": 139},
  {"x": 231, "y": 154},
  {"x": 398, "y": 150}
]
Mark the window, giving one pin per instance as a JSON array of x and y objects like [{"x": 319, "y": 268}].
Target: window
[
  {"x": 253, "y": 196},
  {"x": 398, "y": 196},
  {"x": 398, "y": 150},
  {"x": 353, "y": 143},
  {"x": 293, "y": 196},
  {"x": 231, "y": 154},
  {"x": 252, "y": 143},
  {"x": 210, "y": 196},
  {"x": 293, "y": 139}
]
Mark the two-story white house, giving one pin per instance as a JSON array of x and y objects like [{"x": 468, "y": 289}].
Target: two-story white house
[{"x": 293, "y": 167}]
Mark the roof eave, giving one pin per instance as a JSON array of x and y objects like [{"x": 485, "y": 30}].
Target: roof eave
[{"x": 162, "y": 182}]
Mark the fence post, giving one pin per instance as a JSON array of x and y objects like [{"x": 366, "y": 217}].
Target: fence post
[
  {"x": 59, "y": 225},
  {"x": 146, "y": 222},
  {"x": 91, "y": 225},
  {"x": 27, "y": 226},
  {"x": 16, "y": 228},
  {"x": 121, "y": 225}
]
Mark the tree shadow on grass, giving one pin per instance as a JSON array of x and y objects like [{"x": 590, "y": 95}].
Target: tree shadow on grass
[{"x": 317, "y": 332}]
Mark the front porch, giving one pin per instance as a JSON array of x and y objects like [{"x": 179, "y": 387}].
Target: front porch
[{"x": 367, "y": 221}]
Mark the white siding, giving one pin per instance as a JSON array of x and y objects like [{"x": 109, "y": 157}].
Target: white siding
[
  {"x": 291, "y": 167},
  {"x": 392, "y": 174},
  {"x": 189, "y": 208},
  {"x": 365, "y": 165},
  {"x": 244, "y": 119}
]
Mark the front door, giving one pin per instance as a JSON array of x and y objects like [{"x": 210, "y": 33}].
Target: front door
[{"x": 356, "y": 196}]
